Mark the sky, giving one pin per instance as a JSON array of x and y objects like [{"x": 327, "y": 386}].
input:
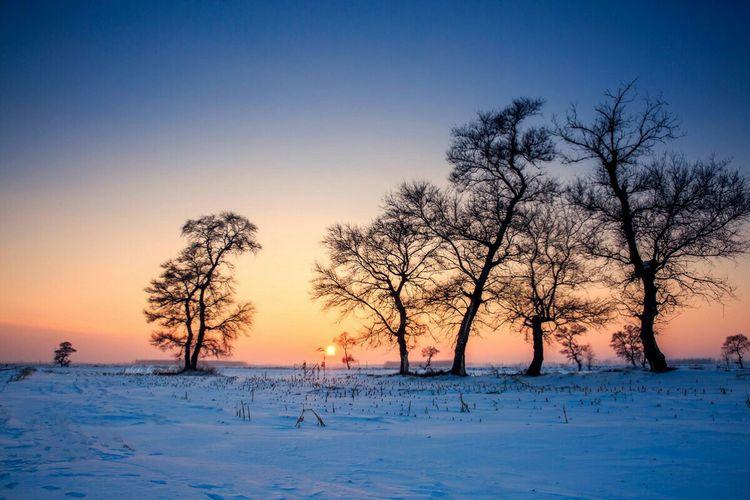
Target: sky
[{"x": 121, "y": 120}]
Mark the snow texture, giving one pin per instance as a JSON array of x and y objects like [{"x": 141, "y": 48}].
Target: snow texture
[{"x": 116, "y": 432}]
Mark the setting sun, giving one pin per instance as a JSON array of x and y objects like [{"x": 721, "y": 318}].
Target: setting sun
[{"x": 331, "y": 350}]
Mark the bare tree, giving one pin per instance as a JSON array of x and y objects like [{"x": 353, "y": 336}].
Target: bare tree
[
  {"x": 380, "y": 271},
  {"x": 567, "y": 337},
  {"x": 172, "y": 304},
  {"x": 62, "y": 353},
  {"x": 547, "y": 283},
  {"x": 736, "y": 345},
  {"x": 655, "y": 219},
  {"x": 496, "y": 163},
  {"x": 194, "y": 299},
  {"x": 429, "y": 352},
  {"x": 627, "y": 345},
  {"x": 346, "y": 342},
  {"x": 216, "y": 238}
]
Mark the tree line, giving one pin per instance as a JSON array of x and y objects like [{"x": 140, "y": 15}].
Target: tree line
[
  {"x": 506, "y": 243},
  {"x": 503, "y": 242}
]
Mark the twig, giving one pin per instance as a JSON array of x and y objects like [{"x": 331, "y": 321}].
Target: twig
[
  {"x": 464, "y": 406},
  {"x": 302, "y": 417}
]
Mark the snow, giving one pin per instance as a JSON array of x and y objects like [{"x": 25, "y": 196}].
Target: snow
[{"x": 118, "y": 432}]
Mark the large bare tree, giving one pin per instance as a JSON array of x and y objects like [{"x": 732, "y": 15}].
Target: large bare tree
[
  {"x": 194, "y": 299},
  {"x": 496, "y": 163},
  {"x": 659, "y": 221},
  {"x": 380, "y": 271},
  {"x": 217, "y": 238},
  {"x": 547, "y": 284},
  {"x": 172, "y": 304}
]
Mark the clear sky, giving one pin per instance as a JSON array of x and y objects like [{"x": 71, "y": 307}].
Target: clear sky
[{"x": 120, "y": 120}]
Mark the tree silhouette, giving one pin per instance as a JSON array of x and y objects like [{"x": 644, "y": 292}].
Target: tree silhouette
[
  {"x": 627, "y": 345},
  {"x": 429, "y": 352},
  {"x": 656, "y": 220},
  {"x": 547, "y": 282},
  {"x": 62, "y": 353},
  {"x": 496, "y": 160},
  {"x": 736, "y": 345},
  {"x": 567, "y": 337},
  {"x": 172, "y": 303},
  {"x": 379, "y": 271},
  {"x": 194, "y": 299},
  {"x": 346, "y": 342}
]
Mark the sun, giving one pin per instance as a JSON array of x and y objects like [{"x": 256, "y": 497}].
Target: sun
[{"x": 331, "y": 350}]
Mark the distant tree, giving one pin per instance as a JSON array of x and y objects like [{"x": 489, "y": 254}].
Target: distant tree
[
  {"x": 348, "y": 360},
  {"x": 657, "y": 222},
  {"x": 725, "y": 357},
  {"x": 496, "y": 163},
  {"x": 736, "y": 345},
  {"x": 62, "y": 354},
  {"x": 627, "y": 345},
  {"x": 381, "y": 271},
  {"x": 346, "y": 342},
  {"x": 429, "y": 352},
  {"x": 567, "y": 337},
  {"x": 589, "y": 356},
  {"x": 547, "y": 283},
  {"x": 194, "y": 299}
]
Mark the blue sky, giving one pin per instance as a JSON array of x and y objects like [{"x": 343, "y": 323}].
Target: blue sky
[
  {"x": 117, "y": 76},
  {"x": 120, "y": 120}
]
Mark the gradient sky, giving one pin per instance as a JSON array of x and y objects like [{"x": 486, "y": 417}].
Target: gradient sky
[{"x": 120, "y": 120}]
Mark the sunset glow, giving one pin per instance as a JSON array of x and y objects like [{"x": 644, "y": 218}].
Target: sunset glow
[
  {"x": 374, "y": 249},
  {"x": 102, "y": 164}
]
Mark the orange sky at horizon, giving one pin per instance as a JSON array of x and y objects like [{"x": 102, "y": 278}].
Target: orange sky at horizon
[{"x": 90, "y": 288}]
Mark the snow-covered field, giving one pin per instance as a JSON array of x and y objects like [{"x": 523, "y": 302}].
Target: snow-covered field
[{"x": 116, "y": 433}]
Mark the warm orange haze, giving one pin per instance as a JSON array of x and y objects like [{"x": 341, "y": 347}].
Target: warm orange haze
[{"x": 76, "y": 257}]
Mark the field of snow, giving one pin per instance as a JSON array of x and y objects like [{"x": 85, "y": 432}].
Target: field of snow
[{"x": 124, "y": 433}]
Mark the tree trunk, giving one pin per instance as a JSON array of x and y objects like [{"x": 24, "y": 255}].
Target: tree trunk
[
  {"x": 201, "y": 329},
  {"x": 651, "y": 350},
  {"x": 739, "y": 360},
  {"x": 580, "y": 365},
  {"x": 189, "y": 338},
  {"x": 459, "y": 355},
  {"x": 403, "y": 352},
  {"x": 535, "y": 368},
  {"x": 197, "y": 350},
  {"x": 644, "y": 271},
  {"x": 187, "y": 355}
]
